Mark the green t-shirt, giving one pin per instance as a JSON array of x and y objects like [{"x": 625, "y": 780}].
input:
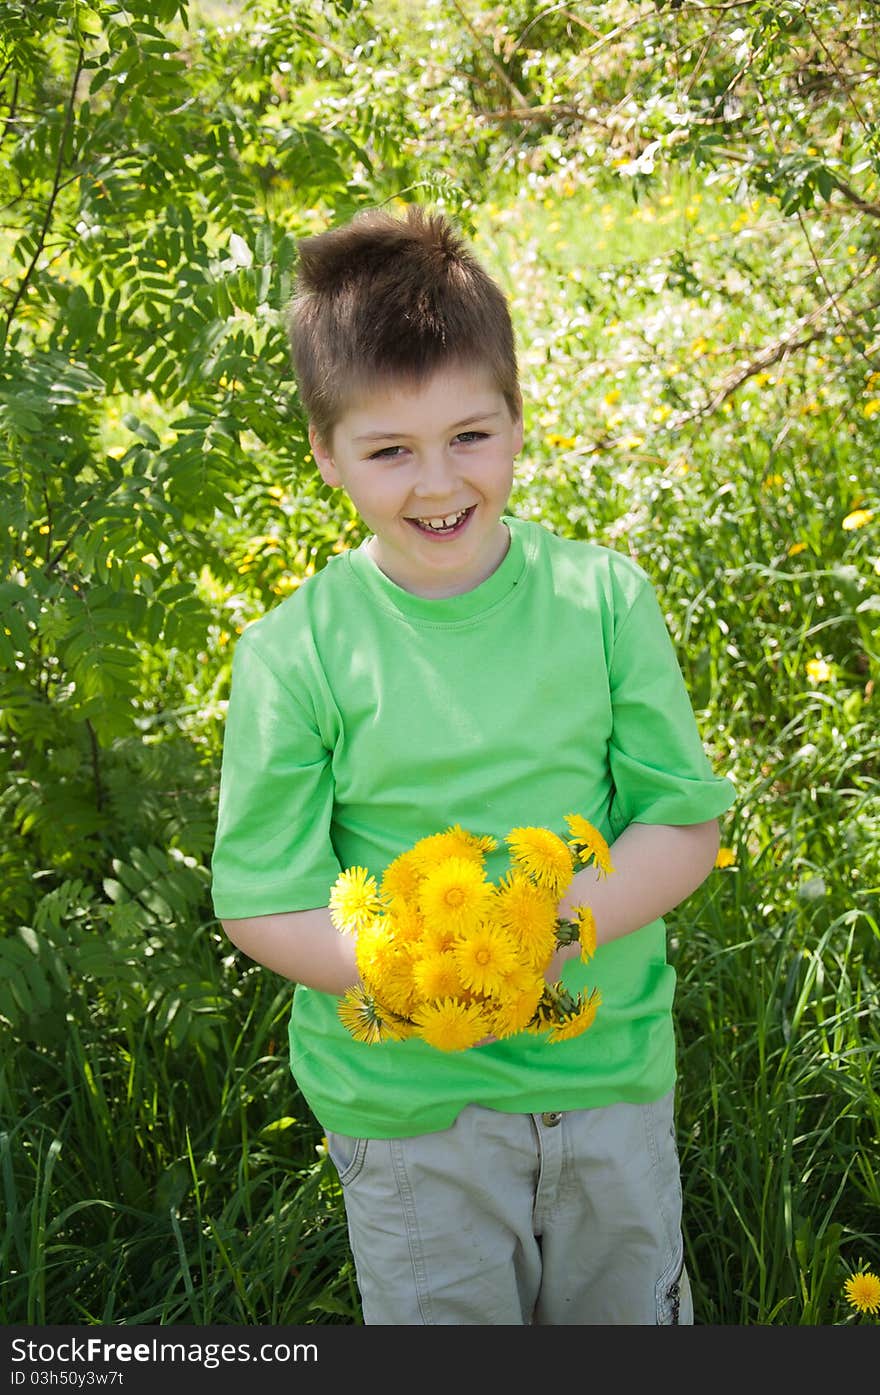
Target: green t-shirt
[{"x": 362, "y": 717}]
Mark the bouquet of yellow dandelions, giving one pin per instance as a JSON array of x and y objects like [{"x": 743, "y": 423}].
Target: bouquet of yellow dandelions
[{"x": 446, "y": 955}]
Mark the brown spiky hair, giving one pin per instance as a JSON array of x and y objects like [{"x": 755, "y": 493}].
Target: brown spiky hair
[{"x": 386, "y": 297}]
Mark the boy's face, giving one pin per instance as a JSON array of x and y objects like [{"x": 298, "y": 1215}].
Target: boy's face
[{"x": 412, "y": 455}]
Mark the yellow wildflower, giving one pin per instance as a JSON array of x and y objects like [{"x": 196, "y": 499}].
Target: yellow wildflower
[
  {"x": 455, "y": 893},
  {"x": 437, "y": 938},
  {"x": 725, "y": 857},
  {"x": 436, "y": 976},
  {"x": 520, "y": 1001},
  {"x": 354, "y": 899},
  {"x": 542, "y": 855},
  {"x": 796, "y": 547},
  {"x": 401, "y": 878},
  {"x": 374, "y": 949},
  {"x": 588, "y": 843},
  {"x": 450, "y": 1025},
  {"x": 396, "y": 984},
  {"x": 586, "y": 924},
  {"x": 405, "y": 923},
  {"x": 454, "y": 842},
  {"x": 364, "y": 1017},
  {"x": 857, "y": 519},
  {"x": 529, "y": 911},
  {"x": 484, "y": 958},
  {"x": 818, "y": 671},
  {"x": 574, "y": 1023},
  {"x": 863, "y": 1291}
]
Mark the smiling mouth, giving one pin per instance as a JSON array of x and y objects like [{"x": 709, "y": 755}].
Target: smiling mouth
[{"x": 449, "y": 523}]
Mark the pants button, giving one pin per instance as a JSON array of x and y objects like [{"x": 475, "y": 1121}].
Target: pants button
[{"x": 551, "y": 1120}]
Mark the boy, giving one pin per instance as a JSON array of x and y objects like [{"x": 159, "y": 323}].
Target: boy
[{"x": 463, "y": 666}]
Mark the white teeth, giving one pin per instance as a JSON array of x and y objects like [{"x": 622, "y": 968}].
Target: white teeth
[{"x": 448, "y": 522}]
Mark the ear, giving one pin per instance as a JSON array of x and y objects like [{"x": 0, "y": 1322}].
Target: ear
[{"x": 323, "y": 459}]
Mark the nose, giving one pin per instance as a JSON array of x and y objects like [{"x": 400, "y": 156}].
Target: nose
[{"x": 438, "y": 475}]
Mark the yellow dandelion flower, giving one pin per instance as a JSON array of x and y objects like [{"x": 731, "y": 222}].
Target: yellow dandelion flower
[
  {"x": 871, "y": 408},
  {"x": 588, "y": 843},
  {"x": 586, "y": 926},
  {"x": 450, "y": 1025},
  {"x": 521, "y": 977},
  {"x": 453, "y": 842},
  {"x": 857, "y": 519},
  {"x": 354, "y": 899},
  {"x": 797, "y": 547},
  {"x": 398, "y": 1028},
  {"x": 481, "y": 843},
  {"x": 455, "y": 893},
  {"x": 725, "y": 857},
  {"x": 542, "y": 855},
  {"x": 365, "y": 1018},
  {"x": 401, "y": 879},
  {"x": 529, "y": 912},
  {"x": 818, "y": 671},
  {"x": 545, "y": 1013},
  {"x": 863, "y": 1291},
  {"x": 437, "y": 976},
  {"x": 406, "y": 923},
  {"x": 437, "y": 938},
  {"x": 519, "y": 1004},
  {"x": 574, "y": 1023},
  {"x": 394, "y": 982},
  {"x": 374, "y": 948},
  {"x": 485, "y": 956}
]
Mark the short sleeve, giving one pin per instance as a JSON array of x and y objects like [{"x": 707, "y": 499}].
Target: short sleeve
[
  {"x": 272, "y": 850},
  {"x": 660, "y": 771}
]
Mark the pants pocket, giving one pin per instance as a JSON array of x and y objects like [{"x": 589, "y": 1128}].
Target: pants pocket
[{"x": 347, "y": 1155}]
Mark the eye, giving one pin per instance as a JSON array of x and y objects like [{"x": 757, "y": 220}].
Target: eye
[
  {"x": 468, "y": 437},
  {"x": 386, "y": 453}
]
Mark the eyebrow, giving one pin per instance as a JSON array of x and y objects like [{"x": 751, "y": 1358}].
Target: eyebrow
[{"x": 401, "y": 435}]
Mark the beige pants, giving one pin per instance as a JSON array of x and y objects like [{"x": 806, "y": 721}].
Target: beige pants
[{"x": 526, "y": 1219}]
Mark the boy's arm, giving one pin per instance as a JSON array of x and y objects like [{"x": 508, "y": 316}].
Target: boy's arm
[
  {"x": 656, "y": 867},
  {"x": 304, "y": 946}
]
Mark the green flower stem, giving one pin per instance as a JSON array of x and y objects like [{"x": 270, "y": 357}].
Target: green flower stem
[{"x": 567, "y": 933}]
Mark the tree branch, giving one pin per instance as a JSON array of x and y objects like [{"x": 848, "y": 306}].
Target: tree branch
[{"x": 56, "y": 185}]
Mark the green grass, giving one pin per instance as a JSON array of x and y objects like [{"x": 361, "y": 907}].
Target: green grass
[{"x": 141, "y": 1187}]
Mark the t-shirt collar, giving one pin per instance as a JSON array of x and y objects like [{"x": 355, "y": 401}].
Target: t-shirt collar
[{"x": 445, "y": 609}]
